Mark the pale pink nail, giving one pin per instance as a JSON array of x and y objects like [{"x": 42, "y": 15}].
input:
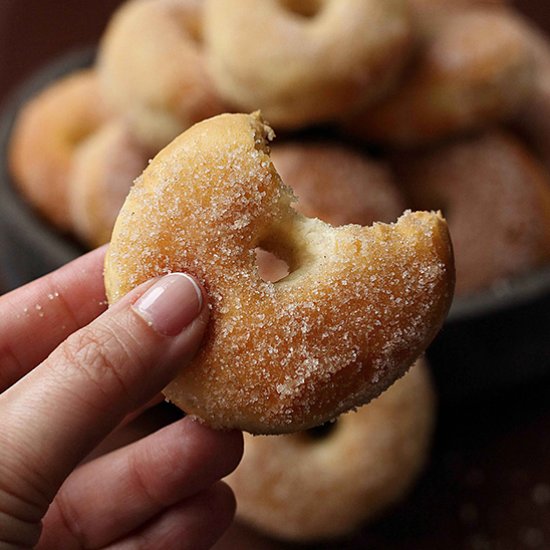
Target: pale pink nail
[{"x": 171, "y": 304}]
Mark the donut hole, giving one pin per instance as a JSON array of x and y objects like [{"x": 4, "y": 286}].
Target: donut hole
[
  {"x": 194, "y": 30},
  {"x": 321, "y": 432},
  {"x": 271, "y": 267},
  {"x": 307, "y": 9},
  {"x": 190, "y": 24},
  {"x": 75, "y": 135}
]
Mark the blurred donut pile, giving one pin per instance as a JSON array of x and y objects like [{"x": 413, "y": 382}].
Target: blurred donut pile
[{"x": 379, "y": 106}]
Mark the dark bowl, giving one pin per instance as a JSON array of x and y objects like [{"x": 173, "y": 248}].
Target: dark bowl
[{"x": 494, "y": 340}]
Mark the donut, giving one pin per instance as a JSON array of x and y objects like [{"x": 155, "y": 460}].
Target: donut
[
  {"x": 496, "y": 197},
  {"x": 533, "y": 120},
  {"x": 359, "y": 305},
  {"x": 336, "y": 184},
  {"x": 102, "y": 171},
  {"x": 152, "y": 68},
  {"x": 308, "y": 62},
  {"x": 327, "y": 482},
  {"x": 473, "y": 68},
  {"x": 44, "y": 137}
]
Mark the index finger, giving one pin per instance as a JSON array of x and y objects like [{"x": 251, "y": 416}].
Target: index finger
[
  {"x": 54, "y": 416},
  {"x": 37, "y": 317}
]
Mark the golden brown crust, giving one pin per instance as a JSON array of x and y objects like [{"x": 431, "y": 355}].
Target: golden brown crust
[
  {"x": 44, "y": 138},
  {"x": 303, "y": 63},
  {"x": 357, "y": 309},
  {"x": 337, "y": 184},
  {"x": 473, "y": 68},
  {"x": 533, "y": 120},
  {"x": 102, "y": 171},
  {"x": 496, "y": 197},
  {"x": 304, "y": 488},
  {"x": 152, "y": 68}
]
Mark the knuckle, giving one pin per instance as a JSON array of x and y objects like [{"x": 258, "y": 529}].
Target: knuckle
[
  {"x": 68, "y": 520},
  {"x": 144, "y": 485},
  {"x": 23, "y": 487},
  {"x": 22, "y": 506},
  {"x": 107, "y": 356}
]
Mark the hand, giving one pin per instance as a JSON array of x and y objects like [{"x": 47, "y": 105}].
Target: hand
[{"x": 71, "y": 370}]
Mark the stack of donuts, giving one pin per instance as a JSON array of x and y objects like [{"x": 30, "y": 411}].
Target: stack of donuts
[
  {"x": 379, "y": 106},
  {"x": 448, "y": 98}
]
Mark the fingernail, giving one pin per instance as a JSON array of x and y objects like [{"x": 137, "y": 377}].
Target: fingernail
[{"x": 171, "y": 304}]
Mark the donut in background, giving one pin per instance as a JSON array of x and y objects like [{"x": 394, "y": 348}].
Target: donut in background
[
  {"x": 327, "y": 482},
  {"x": 496, "y": 197}
]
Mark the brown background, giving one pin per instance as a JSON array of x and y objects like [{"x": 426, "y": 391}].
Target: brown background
[{"x": 488, "y": 482}]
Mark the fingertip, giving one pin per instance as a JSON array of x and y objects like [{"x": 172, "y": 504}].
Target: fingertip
[{"x": 171, "y": 304}]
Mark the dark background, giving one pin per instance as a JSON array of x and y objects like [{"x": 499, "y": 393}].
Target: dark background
[{"x": 488, "y": 483}]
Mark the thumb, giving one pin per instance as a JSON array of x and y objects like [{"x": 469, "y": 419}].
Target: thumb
[{"x": 54, "y": 416}]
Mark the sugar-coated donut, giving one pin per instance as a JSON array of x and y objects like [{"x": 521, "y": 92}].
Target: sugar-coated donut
[
  {"x": 102, "y": 171},
  {"x": 358, "y": 307},
  {"x": 336, "y": 184},
  {"x": 496, "y": 197},
  {"x": 43, "y": 140},
  {"x": 473, "y": 68},
  {"x": 152, "y": 68},
  {"x": 303, "y": 62},
  {"x": 327, "y": 482}
]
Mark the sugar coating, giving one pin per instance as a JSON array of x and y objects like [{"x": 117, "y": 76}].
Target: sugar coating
[
  {"x": 47, "y": 131},
  {"x": 162, "y": 87},
  {"x": 360, "y": 303},
  {"x": 103, "y": 170},
  {"x": 473, "y": 68},
  {"x": 301, "y": 488},
  {"x": 346, "y": 55},
  {"x": 496, "y": 197}
]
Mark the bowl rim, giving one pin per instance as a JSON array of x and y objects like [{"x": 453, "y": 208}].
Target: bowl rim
[{"x": 503, "y": 295}]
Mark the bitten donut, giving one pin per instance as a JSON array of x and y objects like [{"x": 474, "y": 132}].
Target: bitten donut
[
  {"x": 496, "y": 197},
  {"x": 327, "y": 482},
  {"x": 152, "y": 68},
  {"x": 102, "y": 171},
  {"x": 305, "y": 62},
  {"x": 473, "y": 68},
  {"x": 359, "y": 305},
  {"x": 44, "y": 138},
  {"x": 336, "y": 184}
]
